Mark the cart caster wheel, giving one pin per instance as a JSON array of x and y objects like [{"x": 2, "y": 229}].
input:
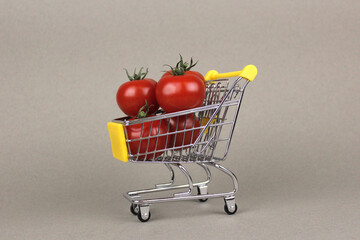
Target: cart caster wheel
[
  {"x": 140, "y": 217},
  {"x": 134, "y": 209},
  {"x": 202, "y": 191},
  {"x": 232, "y": 211},
  {"x": 144, "y": 214}
]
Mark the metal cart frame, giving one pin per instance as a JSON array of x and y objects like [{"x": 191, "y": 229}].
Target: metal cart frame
[{"x": 206, "y": 134}]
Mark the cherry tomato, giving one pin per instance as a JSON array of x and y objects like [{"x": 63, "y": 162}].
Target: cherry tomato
[
  {"x": 176, "y": 93},
  {"x": 184, "y": 122},
  {"x": 184, "y": 66},
  {"x": 180, "y": 89},
  {"x": 147, "y": 145},
  {"x": 132, "y": 96}
]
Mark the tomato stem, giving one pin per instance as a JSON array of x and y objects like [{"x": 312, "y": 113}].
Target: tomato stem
[
  {"x": 181, "y": 67},
  {"x": 142, "y": 113},
  {"x": 137, "y": 76}
]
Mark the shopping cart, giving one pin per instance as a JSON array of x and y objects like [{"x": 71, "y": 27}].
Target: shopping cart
[{"x": 205, "y": 143}]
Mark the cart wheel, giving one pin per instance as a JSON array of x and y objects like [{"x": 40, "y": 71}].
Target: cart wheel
[
  {"x": 134, "y": 209},
  {"x": 144, "y": 214},
  {"x": 232, "y": 210},
  {"x": 202, "y": 191}
]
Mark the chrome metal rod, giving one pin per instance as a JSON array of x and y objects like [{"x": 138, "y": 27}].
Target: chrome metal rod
[
  {"x": 138, "y": 200},
  {"x": 153, "y": 190},
  {"x": 236, "y": 116},
  {"x": 169, "y": 186},
  {"x": 126, "y": 121},
  {"x": 172, "y": 178},
  {"x": 217, "y": 110},
  {"x": 229, "y": 173},
  {"x": 187, "y": 175},
  {"x": 208, "y": 173}
]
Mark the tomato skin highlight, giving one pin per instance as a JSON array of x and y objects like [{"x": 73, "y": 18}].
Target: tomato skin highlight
[
  {"x": 134, "y": 132},
  {"x": 131, "y": 96},
  {"x": 183, "y": 123},
  {"x": 176, "y": 93}
]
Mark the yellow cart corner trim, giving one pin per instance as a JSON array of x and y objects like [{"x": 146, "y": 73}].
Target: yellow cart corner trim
[{"x": 118, "y": 141}]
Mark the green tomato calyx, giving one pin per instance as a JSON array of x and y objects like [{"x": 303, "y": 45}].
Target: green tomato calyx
[
  {"x": 142, "y": 113},
  {"x": 137, "y": 76},
  {"x": 181, "y": 67}
]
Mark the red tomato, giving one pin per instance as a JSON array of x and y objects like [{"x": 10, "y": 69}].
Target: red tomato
[
  {"x": 131, "y": 95},
  {"x": 176, "y": 93},
  {"x": 182, "y": 123},
  {"x": 157, "y": 127},
  {"x": 198, "y": 75}
]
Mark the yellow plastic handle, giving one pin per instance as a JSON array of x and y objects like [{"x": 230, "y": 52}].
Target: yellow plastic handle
[{"x": 249, "y": 72}]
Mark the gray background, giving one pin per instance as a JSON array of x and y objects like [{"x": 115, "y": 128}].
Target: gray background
[{"x": 295, "y": 150}]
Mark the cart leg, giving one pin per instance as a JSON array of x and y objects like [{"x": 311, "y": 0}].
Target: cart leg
[
  {"x": 208, "y": 174},
  {"x": 172, "y": 177},
  {"x": 230, "y": 205},
  {"x": 202, "y": 187},
  {"x": 229, "y": 173},
  {"x": 191, "y": 185}
]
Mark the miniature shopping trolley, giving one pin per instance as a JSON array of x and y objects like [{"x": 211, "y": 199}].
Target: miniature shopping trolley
[{"x": 205, "y": 143}]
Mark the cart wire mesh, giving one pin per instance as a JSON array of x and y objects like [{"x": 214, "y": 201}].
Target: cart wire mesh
[{"x": 200, "y": 134}]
